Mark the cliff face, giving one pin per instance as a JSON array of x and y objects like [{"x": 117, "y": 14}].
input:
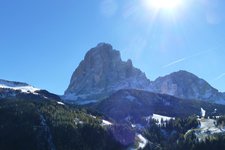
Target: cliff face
[{"x": 101, "y": 73}]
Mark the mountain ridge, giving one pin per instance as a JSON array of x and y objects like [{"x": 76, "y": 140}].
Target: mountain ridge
[
  {"x": 102, "y": 72},
  {"x": 136, "y": 105},
  {"x": 21, "y": 90}
]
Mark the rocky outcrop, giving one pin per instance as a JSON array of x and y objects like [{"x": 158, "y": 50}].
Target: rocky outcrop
[
  {"x": 101, "y": 73},
  {"x": 187, "y": 85}
]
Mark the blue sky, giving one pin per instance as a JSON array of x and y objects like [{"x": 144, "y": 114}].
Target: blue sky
[{"x": 42, "y": 42}]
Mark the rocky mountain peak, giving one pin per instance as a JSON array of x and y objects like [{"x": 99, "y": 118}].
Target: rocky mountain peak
[
  {"x": 187, "y": 85},
  {"x": 104, "y": 52},
  {"x": 102, "y": 72}
]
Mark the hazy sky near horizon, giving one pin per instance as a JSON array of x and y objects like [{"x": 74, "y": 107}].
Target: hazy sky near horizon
[{"x": 42, "y": 42}]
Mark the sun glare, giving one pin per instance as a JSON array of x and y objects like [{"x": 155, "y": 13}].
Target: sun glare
[{"x": 163, "y": 4}]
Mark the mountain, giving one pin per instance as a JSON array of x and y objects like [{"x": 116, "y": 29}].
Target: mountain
[
  {"x": 186, "y": 85},
  {"x": 136, "y": 106},
  {"x": 101, "y": 73},
  {"x": 19, "y": 90}
]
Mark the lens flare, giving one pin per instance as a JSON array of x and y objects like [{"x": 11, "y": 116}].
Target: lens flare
[{"x": 163, "y": 4}]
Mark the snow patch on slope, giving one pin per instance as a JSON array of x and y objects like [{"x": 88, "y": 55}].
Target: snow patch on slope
[
  {"x": 142, "y": 141},
  {"x": 203, "y": 112},
  {"x": 78, "y": 99},
  {"x": 207, "y": 127},
  {"x": 160, "y": 117},
  {"x": 106, "y": 123},
  {"x": 23, "y": 87},
  {"x": 60, "y": 103}
]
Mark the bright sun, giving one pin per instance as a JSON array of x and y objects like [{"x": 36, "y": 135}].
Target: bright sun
[{"x": 163, "y": 4}]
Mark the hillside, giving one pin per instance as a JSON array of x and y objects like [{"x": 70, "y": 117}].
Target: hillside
[
  {"x": 50, "y": 125},
  {"x": 136, "y": 105}
]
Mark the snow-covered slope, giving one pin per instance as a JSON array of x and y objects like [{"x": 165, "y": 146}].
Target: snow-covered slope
[
  {"x": 12, "y": 89},
  {"x": 207, "y": 127},
  {"x": 160, "y": 118},
  {"x": 23, "y": 87}
]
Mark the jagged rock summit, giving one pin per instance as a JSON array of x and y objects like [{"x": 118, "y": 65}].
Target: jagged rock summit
[
  {"x": 101, "y": 73},
  {"x": 186, "y": 85}
]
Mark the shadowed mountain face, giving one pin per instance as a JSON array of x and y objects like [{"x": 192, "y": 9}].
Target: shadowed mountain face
[
  {"x": 136, "y": 105},
  {"x": 186, "y": 85},
  {"x": 101, "y": 73}
]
